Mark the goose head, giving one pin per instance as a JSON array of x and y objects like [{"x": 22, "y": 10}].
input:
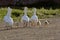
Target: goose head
[{"x": 9, "y": 11}]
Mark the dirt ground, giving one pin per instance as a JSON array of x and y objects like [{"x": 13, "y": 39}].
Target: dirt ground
[{"x": 44, "y": 32}]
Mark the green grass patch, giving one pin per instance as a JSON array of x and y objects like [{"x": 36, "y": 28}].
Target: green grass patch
[{"x": 41, "y": 13}]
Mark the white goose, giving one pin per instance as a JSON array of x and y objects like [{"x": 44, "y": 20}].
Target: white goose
[
  {"x": 34, "y": 18},
  {"x": 25, "y": 18},
  {"x": 7, "y": 18}
]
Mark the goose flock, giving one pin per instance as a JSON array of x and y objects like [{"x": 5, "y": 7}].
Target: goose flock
[{"x": 24, "y": 19}]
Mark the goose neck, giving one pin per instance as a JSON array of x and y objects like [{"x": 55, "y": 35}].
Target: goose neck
[
  {"x": 25, "y": 13},
  {"x": 8, "y": 13},
  {"x": 34, "y": 13}
]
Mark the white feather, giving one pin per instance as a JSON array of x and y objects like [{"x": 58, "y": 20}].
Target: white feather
[
  {"x": 7, "y": 18},
  {"x": 34, "y": 17},
  {"x": 25, "y": 17}
]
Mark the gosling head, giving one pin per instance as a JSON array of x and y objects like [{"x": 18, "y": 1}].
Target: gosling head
[{"x": 46, "y": 22}]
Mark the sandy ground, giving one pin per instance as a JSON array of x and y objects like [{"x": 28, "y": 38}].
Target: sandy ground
[{"x": 44, "y": 32}]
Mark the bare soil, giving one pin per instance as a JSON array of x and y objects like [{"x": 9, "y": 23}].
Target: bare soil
[{"x": 44, "y": 32}]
